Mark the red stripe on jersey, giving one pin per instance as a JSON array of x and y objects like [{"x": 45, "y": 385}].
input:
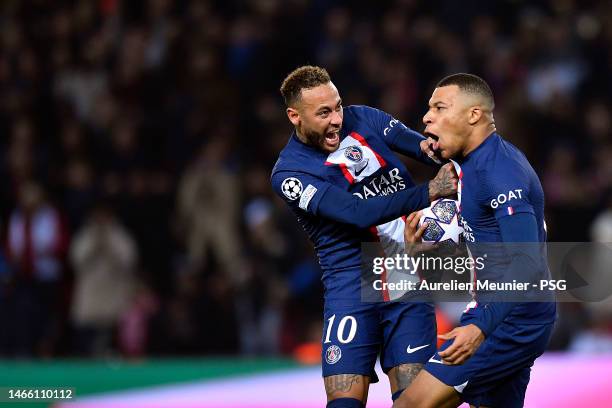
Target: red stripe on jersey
[
  {"x": 347, "y": 173},
  {"x": 363, "y": 142},
  {"x": 383, "y": 275}
]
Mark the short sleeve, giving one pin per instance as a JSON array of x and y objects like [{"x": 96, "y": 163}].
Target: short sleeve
[
  {"x": 300, "y": 190},
  {"x": 506, "y": 191}
]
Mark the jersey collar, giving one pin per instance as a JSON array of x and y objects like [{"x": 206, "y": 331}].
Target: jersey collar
[
  {"x": 492, "y": 138},
  {"x": 295, "y": 140}
]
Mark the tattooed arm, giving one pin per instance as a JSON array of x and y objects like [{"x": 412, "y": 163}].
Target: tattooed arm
[{"x": 444, "y": 184}]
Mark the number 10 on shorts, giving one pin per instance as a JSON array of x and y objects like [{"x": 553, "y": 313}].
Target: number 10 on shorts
[{"x": 352, "y": 331}]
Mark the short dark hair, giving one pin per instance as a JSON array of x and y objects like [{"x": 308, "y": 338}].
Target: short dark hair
[
  {"x": 469, "y": 83},
  {"x": 305, "y": 77}
]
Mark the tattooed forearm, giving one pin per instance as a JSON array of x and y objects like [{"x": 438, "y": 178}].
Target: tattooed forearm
[
  {"x": 340, "y": 383},
  {"x": 444, "y": 184},
  {"x": 406, "y": 373}
]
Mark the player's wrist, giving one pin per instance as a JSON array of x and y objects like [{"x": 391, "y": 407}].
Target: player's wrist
[
  {"x": 480, "y": 327},
  {"x": 424, "y": 197},
  {"x": 432, "y": 192}
]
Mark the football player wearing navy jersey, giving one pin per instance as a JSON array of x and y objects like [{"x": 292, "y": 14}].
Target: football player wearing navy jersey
[
  {"x": 486, "y": 361},
  {"x": 339, "y": 176}
]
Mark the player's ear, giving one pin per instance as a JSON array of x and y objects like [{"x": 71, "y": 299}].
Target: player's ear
[
  {"x": 475, "y": 114},
  {"x": 294, "y": 116}
]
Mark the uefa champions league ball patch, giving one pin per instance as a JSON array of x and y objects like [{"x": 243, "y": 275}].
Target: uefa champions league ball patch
[
  {"x": 443, "y": 226},
  {"x": 333, "y": 354},
  {"x": 292, "y": 188}
]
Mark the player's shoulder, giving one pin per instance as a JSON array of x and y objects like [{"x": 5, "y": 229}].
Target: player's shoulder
[
  {"x": 296, "y": 160},
  {"x": 356, "y": 116},
  {"x": 502, "y": 163},
  {"x": 500, "y": 156},
  {"x": 286, "y": 167},
  {"x": 362, "y": 111},
  {"x": 296, "y": 156}
]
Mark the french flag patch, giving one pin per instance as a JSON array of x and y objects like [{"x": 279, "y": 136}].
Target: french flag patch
[{"x": 510, "y": 210}]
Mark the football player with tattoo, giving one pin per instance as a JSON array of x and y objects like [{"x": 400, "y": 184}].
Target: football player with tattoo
[{"x": 340, "y": 176}]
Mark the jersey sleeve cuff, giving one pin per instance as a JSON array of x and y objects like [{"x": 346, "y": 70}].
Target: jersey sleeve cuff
[
  {"x": 423, "y": 197},
  {"x": 483, "y": 328},
  {"x": 408, "y": 142}
]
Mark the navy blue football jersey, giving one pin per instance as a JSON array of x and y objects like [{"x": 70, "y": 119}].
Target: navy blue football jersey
[
  {"x": 356, "y": 194},
  {"x": 497, "y": 181}
]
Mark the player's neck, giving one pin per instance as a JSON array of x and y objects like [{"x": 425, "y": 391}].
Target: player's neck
[
  {"x": 301, "y": 138},
  {"x": 477, "y": 138}
]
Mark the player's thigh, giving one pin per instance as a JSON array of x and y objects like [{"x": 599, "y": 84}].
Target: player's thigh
[
  {"x": 400, "y": 377},
  {"x": 498, "y": 373},
  {"x": 347, "y": 386},
  {"x": 426, "y": 391},
  {"x": 351, "y": 341},
  {"x": 409, "y": 340}
]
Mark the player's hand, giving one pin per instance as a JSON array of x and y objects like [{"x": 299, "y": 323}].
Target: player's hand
[
  {"x": 429, "y": 146},
  {"x": 413, "y": 234},
  {"x": 444, "y": 184},
  {"x": 467, "y": 340}
]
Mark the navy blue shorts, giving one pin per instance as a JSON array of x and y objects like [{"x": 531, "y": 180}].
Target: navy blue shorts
[
  {"x": 353, "y": 336},
  {"x": 498, "y": 373}
]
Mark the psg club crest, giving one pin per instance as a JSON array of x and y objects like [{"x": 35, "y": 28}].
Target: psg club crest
[
  {"x": 333, "y": 354},
  {"x": 353, "y": 153}
]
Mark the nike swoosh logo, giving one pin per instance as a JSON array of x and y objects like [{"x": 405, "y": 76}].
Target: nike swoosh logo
[
  {"x": 461, "y": 387},
  {"x": 357, "y": 173},
  {"x": 433, "y": 360},
  {"x": 412, "y": 350}
]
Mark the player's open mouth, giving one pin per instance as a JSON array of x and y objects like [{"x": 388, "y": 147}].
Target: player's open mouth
[
  {"x": 432, "y": 135},
  {"x": 332, "y": 138}
]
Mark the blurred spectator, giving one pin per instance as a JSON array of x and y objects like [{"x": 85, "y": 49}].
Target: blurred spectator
[
  {"x": 22, "y": 155},
  {"x": 36, "y": 236},
  {"x": 596, "y": 336},
  {"x": 104, "y": 259},
  {"x": 36, "y": 244},
  {"x": 208, "y": 198},
  {"x": 261, "y": 317},
  {"x": 133, "y": 330}
]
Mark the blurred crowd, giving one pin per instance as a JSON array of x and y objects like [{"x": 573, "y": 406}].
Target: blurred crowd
[{"x": 137, "y": 139}]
